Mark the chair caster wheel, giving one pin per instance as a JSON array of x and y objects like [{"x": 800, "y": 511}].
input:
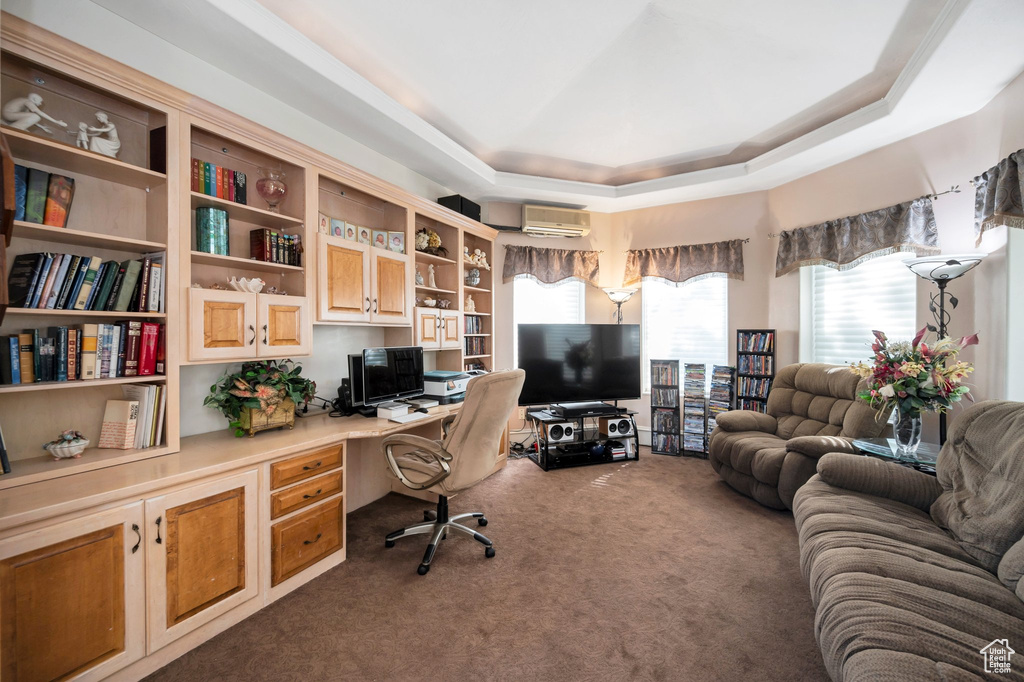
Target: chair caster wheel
[
  {"x": 489, "y": 552},
  {"x": 422, "y": 570},
  {"x": 389, "y": 543},
  {"x": 481, "y": 521}
]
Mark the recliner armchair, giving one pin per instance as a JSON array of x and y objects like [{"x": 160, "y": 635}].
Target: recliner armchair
[{"x": 813, "y": 410}]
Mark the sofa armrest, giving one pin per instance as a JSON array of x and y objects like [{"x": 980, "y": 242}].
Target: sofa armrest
[
  {"x": 872, "y": 476},
  {"x": 746, "y": 420},
  {"x": 817, "y": 446}
]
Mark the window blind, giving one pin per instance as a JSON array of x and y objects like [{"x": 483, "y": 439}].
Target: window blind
[
  {"x": 536, "y": 303},
  {"x": 846, "y": 306},
  {"x": 689, "y": 323}
]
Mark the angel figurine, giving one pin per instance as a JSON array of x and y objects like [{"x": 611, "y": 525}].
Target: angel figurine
[
  {"x": 430, "y": 276},
  {"x": 466, "y": 258},
  {"x": 480, "y": 259},
  {"x": 419, "y": 278},
  {"x": 470, "y": 304},
  {"x": 24, "y": 112}
]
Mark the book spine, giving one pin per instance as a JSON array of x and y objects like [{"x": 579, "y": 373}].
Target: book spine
[
  {"x": 69, "y": 281},
  {"x": 143, "y": 297},
  {"x": 230, "y": 184},
  {"x": 37, "y": 367},
  {"x": 120, "y": 343},
  {"x": 72, "y": 354},
  {"x": 240, "y": 193},
  {"x": 37, "y": 268},
  {"x": 156, "y": 273},
  {"x": 58, "y": 282},
  {"x": 76, "y": 286},
  {"x": 219, "y": 182},
  {"x": 225, "y": 173},
  {"x": 35, "y": 199},
  {"x": 95, "y": 289},
  {"x": 47, "y": 358},
  {"x": 90, "y": 347},
  {"x": 106, "y": 338},
  {"x": 20, "y": 191},
  {"x": 131, "y": 278},
  {"x": 40, "y": 281},
  {"x": 87, "y": 282},
  {"x": 273, "y": 247},
  {"x": 161, "y": 350},
  {"x": 147, "y": 350},
  {"x": 207, "y": 184},
  {"x": 58, "y": 201},
  {"x": 195, "y": 175},
  {"x": 257, "y": 242},
  {"x": 51, "y": 275},
  {"x": 115, "y": 289},
  {"x": 60, "y": 336},
  {"x": 131, "y": 358}
]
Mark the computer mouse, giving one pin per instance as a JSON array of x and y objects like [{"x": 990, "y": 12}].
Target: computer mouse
[{"x": 423, "y": 410}]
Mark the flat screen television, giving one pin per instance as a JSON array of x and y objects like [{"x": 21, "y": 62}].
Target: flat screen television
[
  {"x": 579, "y": 362},
  {"x": 392, "y": 373}
]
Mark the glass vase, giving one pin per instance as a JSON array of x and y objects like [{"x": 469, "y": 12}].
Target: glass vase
[
  {"x": 907, "y": 431},
  {"x": 271, "y": 187}
]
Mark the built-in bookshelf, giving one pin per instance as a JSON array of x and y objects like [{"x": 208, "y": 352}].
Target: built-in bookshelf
[
  {"x": 665, "y": 421},
  {"x": 755, "y": 363},
  {"x": 695, "y": 413},
  {"x": 722, "y": 394}
]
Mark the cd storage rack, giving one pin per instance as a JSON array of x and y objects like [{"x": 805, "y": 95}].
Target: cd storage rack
[
  {"x": 723, "y": 378},
  {"x": 665, "y": 435},
  {"x": 755, "y": 360},
  {"x": 694, "y": 409}
]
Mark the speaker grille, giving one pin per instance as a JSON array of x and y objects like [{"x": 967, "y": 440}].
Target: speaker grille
[{"x": 623, "y": 426}]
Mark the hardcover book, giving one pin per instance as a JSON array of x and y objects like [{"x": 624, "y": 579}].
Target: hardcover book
[
  {"x": 58, "y": 281},
  {"x": 51, "y": 275},
  {"x": 115, "y": 290},
  {"x": 132, "y": 345},
  {"x": 239, "y": 188},
  {"x": 120, "y": 421},
  {"x": 26, "y": 360},
  {"x": 99, "y": 302},
  {"x": 20, "y": 191},
  {"x": 131, "y": 278},
  {"x": 94, "y": 292},
  {"x": 69, "y": 281},
  {"x": 147, "y": 349},
  {"x": 40, "y": 281},
  {"x": 72, "y": 358},
  {"x": 87, "y": 282},
  {"x": 19, "y": 281},
  {"x": 90, "y": 342},
  {"x": 35, "y": 198},
  {"x": 76, "y": 286},
  {"x": 10, "y": 363},
  {"x": 58, "y": 201}
]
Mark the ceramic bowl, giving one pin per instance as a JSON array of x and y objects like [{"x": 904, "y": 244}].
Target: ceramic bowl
[
  {"x": 68, "y": 449},
  {"x": 429, "y": 302}
]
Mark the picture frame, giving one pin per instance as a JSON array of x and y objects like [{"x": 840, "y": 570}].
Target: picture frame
[
  {"x": 324, "y": 224},
  {"x": 363, "y": 235},
  {"x": 396, "y": 241},
  {"x": 337, "y": 227},
  {"x": 350, "y": 232},
  {"x": 380, "y": 239}
]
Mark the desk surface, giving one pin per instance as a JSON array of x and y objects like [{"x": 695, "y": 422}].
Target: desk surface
[{"x": 208, "y": 454}]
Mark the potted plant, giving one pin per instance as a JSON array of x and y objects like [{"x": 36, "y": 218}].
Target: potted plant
[{"x": 261, "y": 396}]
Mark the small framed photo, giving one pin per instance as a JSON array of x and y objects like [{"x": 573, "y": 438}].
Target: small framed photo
[
  {"x": 396, "y": 241},
  {"x": 380, "y": 239},
  {"x": 350, "y": 232},
  {"x": 324, "y": 226},
  {"x": 363, "y": 235},
  {"x": 337, "y": 227}
]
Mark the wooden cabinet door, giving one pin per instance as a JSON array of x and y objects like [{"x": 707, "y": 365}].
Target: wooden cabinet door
[
  {"x": 428, "y": 328},
  {"x": 201, "y": 558},
  {"x": 344, "y": 280},
  {"x": 72, "y": 600},
  {"x": 222, "y": 325},
  {"x": 449, "y": 332},
  {"x": 284, "y": 325},
  {"x": 391, "y": 304}
]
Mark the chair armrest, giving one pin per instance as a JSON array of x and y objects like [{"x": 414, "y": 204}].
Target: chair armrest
[
  {"x": 420, "y": 446},
  {"x": 817, "y": 446},
  {"x": 872, "y": 476},
  {"x": 446, "y": 424},
  {"x": 746, "y": 420}
]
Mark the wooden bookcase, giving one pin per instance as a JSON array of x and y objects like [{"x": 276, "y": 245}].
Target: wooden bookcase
[{"x": 755, "y": 364}]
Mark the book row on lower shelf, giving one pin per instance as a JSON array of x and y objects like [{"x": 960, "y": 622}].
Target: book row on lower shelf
[
  {"x": 749, "y": 387},
  {"x": 474, "y": 324},
  {"x": 759, "y": 365},
  {"x": 755, "y": 342},
  {"x": 137, "y": 421},
  {"x": 91, "y": 351},
  {"x": 476, "y": 345},
  {"x": 749, "y": 404},
  {"x": 64, "y": 281}
]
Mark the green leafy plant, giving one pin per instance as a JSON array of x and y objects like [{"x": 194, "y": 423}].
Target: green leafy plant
[{"x": 260, "y": 386}]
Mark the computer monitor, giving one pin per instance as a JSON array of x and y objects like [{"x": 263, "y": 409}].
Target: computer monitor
[
  {"x": 392, "y": 373},
  {"x": 355, "y": 378}
]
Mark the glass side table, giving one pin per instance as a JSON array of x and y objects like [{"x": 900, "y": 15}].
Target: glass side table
[{"x": 885, "y": 448}]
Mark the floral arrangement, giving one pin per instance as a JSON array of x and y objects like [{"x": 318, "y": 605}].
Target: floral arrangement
[
  {"x": 912, "y": 376},
  {"x": 260, "y": 386},
  {"x": 428, "y": 241}
]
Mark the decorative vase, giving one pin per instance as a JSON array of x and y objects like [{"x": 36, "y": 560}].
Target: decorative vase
[
  {"x": 907, "y": 431},
  {"x": 473, "y": 277},
  {"x": 71, "y": 449},
  {"x": 271, "y": 187},
  {"x": 253, "y": 421}
]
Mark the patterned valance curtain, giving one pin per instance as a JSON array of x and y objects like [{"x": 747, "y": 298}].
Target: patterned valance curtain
[
  {"x": 684, "y": 263},
  {"x": 997, "y": 197},
  {"x": 550, "y": 266},
  {"x": 847, "y": 242}
]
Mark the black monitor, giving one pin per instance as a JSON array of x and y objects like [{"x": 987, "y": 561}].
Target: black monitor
[
  {"x": 579, "y": 362},
  {"x": 355, "y": 378},
  {"x": 392, "y": 373}
]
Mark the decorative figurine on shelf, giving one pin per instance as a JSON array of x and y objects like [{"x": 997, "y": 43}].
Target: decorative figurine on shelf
[
  {"x": 68, "y": 445},
  {"x": 103, "y": 138},
  {"x": 428, "y": 241},
  {"x": 271, "y": 187},
  {"x": 82, "y": 136},
  {"x": 251, "y": 286},
  {"x": 429, "y": 302},
  {"x": 470, "y": 304},
  {"x": 466, "y": 258},
  {"x": 444, "y": 304},
  {"x": 24, "y": 112},
  {"x": 419, "y": 278},
  {"x": 480, "y": 259},
  {"x": 473, "y": 277},
  {"x": 430, "y": 276}
]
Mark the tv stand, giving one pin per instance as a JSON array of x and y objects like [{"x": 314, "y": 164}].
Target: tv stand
[
  {"x": 589, "y": 444},
  {"x": 586, "y": 409}
]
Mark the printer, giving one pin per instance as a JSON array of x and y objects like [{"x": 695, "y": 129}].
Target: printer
[{"x": 446, "y": 387}]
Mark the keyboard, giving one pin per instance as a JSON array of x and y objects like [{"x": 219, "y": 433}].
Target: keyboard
[{"x": 411, "y": 417}]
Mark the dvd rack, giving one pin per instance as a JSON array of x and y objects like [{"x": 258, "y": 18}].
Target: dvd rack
[
  {"x": 723, "y": 378},
  {"x": 665, "y": 434},
  {"x": 694, "y": 409},
  {"x": 755, "y": 360}
]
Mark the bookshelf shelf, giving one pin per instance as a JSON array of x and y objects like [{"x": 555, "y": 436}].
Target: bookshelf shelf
[
  {"x": 61, "y": 385},
  {"x": 476, "y": 334},
  {"x": 431, "y": 258},
  {"x": 420, "y": 287},
  {"x": 39, "y": 150},
  {"x": 245, "y": 213},
  {"x": 474, "y": 357},
  {"x": 45, "y": 467},
  {"x": 755, "y": 359},
  {"x": 481, "y": 314},
  {"x": 202, "y": 258},
  {"x": 479, "y": 290},
  {"x": 62, "y": 235},
  {"x": 47, "y": 312}
]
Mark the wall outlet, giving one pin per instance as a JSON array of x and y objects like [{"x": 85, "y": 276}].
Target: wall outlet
[{"x": 522, "y": 413}]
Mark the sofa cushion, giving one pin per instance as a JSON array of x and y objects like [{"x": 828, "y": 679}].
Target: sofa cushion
[
  {"x": 753, "y": 453},
  {"x": 820, "y": 400},
  {"x": 981, "y": 470}
]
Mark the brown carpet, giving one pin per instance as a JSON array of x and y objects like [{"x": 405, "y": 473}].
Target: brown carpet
[{"x": 654, "y": 570}]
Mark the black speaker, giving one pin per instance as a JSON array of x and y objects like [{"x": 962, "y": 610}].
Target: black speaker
[
  {"x": 344, "y": 402},
  {"x": 461, "y": 204}
]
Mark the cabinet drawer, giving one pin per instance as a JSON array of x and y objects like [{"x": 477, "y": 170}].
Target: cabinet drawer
[
  {"x": 305, "y": 466},
  {"x": 306, "y": 538},
  {"x": 304, "y": 494}
]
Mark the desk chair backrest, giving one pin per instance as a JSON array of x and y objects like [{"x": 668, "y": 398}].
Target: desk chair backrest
[{"x": 475, "y": 435}]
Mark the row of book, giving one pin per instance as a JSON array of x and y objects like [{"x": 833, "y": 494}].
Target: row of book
[
  {"x": 667, "y": 443},
  {"x": 758, "y": 365},
  {"x": 64, "y": 281},
  {"x": 694, "y": 413},
  {"x": 217, "y": 181},
  {"x": 42, "y": 197},
  {"x": 270, "y": 247},
  {"x": 664, "y": 397},
  {"x": 720, "y": 395},
  {"x": 474, "y": 324},
  {"x": 137, "y": 421},
  {"x": 476, "y": 345},
  {"x": 755, "y": 342},
  {"x": 91, "y": 351},
  {"x": 748, "y": 404},
  {"x": 750, "y": 387},
  {"x": 665, "y": 421},
  {"x": 665, "y": 374}
]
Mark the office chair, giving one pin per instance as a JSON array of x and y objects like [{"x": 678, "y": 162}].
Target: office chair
[{"x": 464, "y": 457}]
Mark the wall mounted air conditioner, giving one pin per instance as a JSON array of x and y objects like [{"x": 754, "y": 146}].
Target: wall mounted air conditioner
[{"x": 551, "y": 221}]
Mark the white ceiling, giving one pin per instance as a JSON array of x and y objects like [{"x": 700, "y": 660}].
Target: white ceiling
[{"x": 610, "y": 104}]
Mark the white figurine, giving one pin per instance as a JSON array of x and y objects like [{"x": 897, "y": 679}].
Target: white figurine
[
  {"x": 109, "y": 145},
  {"x": 482, "y": 261},
  {"x": 465, "y": 255},
  {"x": 419, "y": 278},
  {"x": 82, "y": 136},
  {"x": 470, "y": 304},
  {"x": 430, "y": 276},
  {"x": 24, "y": 112}
]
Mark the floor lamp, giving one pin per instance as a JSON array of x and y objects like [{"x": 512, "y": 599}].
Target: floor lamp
[
  {"x": 618, "y": 297},
  {"x": 940, "y": 270}
]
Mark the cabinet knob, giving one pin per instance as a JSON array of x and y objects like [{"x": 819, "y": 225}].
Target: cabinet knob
[{"x": 253, "y": 339}]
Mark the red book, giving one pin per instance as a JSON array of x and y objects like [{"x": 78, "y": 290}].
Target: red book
[
  {"x": 230, "y": 180},
  {"x": 225, "y": 176},
  {"x": 218, "y": 183},
  {"x": 147, "y": 348},
  {"x": 161, "y": 350},
  {"x": 197, "y": 173}
]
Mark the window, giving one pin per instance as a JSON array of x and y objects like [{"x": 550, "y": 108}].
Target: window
[
  {"x": 841, "y": 309},
  {"x": 536, "y": 303},
  {"x": 689, "y": 323}
]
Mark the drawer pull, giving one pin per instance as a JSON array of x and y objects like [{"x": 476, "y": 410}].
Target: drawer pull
[
  {"x": 318, "y": 491},
  {"x": 310, "y": 542},
  {"x": 135, "y": 527},
  {"x": 159, "y": 520},
  {"x": 315, "y": 466}
]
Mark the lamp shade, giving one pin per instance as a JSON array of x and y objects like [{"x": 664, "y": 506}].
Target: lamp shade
[
  {"x": 620, "y": 295},
  {"x": 942, "y": 268}
]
